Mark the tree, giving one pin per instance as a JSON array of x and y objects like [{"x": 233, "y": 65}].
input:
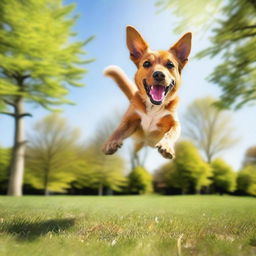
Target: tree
[
  {"x": 98, "y": 170},
  {"x": 187, "y": 173},
  {"x": 5, "y": 154},
  {"x": 246, "y": 180},
  {"x": 250, "y": 156},
  {"x": 52, "y": 156},
  {"x": 160, "y": 177},
  {"x": 38, "y": 63},
  {"x": 165, "y": 179},
  {"x": 191, "y": 172},
  {"x": 140, "y": 181},
  {"x": 233, "y": 38},
  {"x": 224, "y": 178},
  {"x": 209, "y": 127}
]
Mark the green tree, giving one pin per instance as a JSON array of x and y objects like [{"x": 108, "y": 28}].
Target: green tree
[
  {"x": 140, "y": 181},
  {"x": 187, "y": 173},
  {"x": 5, "y": 155},
  {"x": 246, "y": 180},
  {"x": 224, "y": 178},
  {"x": 38, "y": 62},
  {"x": 52, "y": 156},
  {"x": 190, "y": 173},
  {"x": 209, "y": 127},
  {"x": 233, "y": 38},
  {"x": 165, "y": 179},
  {"x": 160, "y": 177},
  {"x": 97, "y": 170}
]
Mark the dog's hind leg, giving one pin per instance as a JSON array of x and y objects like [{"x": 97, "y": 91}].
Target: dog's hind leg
[
  {"x": 135, "y": 161},
  {"x": 137, "y": 147}
]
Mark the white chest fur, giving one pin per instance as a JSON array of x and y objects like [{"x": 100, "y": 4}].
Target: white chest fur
[{"x": 150, "y": 119}]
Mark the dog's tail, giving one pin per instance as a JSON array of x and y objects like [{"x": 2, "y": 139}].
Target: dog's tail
[{"x": 124, "y": 83}]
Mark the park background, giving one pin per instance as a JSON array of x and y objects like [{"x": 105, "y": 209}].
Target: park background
[
  {"x": 54, "y": 97},
  {"x": 100, "y": 104}
]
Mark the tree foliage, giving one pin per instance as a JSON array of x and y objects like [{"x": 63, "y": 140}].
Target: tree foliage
[
  {"x": 52, "y": 156},
  {"x": 224, "y": 178},
  {"x": 233, "y": 25},
  {"x": 5, "y": 155},
  {"x": 39, "y": 60},
  {"x": 209, "y": 127},
  {"x": 188, "y": 172},
  {"x": 192, "y": 15},
  {"x": 160, "y": 178},
  {"x": 165, "y": 180},
  {"x": 56, "y": 161},
  {"x": 246, "y": 180},
  {"x": 140, "y": 181},
  {"x": 36, "y": 50},
  {"x": 191, "y": 170},
  {"x": 98, "y": 170}
]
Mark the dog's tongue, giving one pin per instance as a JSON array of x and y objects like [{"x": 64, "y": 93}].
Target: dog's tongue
[{"x": 157, "y": 92}]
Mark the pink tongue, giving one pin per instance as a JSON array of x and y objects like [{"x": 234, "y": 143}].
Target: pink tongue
[{"x": 157, "y": 92}]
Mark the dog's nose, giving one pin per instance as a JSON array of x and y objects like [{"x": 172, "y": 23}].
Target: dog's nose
[{"x": 159, "y": 76}]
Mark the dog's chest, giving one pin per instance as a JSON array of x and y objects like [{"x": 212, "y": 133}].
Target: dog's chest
[{"x": 153, "y": 116}]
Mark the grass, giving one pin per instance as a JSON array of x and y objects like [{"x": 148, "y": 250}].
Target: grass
[{"x": 128, "y": 225}]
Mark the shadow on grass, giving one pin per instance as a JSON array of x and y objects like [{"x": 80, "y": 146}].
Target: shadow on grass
[{"x": 29, "y": 231}]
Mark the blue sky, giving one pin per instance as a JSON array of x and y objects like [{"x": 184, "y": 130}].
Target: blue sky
[{"x": 100, "y": 99}]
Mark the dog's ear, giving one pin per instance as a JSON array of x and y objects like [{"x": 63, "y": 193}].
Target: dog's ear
[
  {"x": 182, "y": 48},
  {"x": 135, "y": 43}
]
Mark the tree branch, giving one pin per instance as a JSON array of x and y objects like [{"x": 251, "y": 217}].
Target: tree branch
[
  {"x": 244, "y": 36},
  {"x": 25, "y": 77},
  {"x": 16, "y": 116},
  {"x": 8, "y": 114},
  {"x": 25, "y": 114},
  {"x": 9, "y": 103},
  {"x": 20, "y": 78},
  {"x": 243, "y": 28}
]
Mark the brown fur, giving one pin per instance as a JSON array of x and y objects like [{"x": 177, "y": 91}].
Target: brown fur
[{"x": 149, "y": 122}]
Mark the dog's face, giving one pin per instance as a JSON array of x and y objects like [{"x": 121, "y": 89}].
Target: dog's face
[{"x": 159, "y": 72}]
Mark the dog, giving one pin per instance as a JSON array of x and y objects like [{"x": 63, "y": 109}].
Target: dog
[{"x": 151, "y": 118}]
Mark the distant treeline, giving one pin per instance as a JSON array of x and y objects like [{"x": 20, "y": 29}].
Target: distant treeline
[{"x": 57, "y": 163}]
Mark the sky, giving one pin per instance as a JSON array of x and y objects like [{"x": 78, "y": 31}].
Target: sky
[{"x": 101, "y": 99}]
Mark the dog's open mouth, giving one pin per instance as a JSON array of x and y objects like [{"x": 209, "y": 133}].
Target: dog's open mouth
[{"x": 157, "y": 92}]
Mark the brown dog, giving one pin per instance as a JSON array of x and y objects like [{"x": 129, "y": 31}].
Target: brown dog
[{"x": 152, "y": 116}]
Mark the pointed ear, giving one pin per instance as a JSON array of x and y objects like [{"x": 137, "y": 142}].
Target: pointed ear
[
  {"x": 135, "y": 43},
  {"x": 182, "y": 48}
]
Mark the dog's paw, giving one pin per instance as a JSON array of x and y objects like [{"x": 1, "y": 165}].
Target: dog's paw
[
  {"x": 165, "y": 150},
  {"x": 111, "y": 147}
]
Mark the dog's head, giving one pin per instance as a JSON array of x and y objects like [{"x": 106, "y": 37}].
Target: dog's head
[{"x": 159, "y": 72}]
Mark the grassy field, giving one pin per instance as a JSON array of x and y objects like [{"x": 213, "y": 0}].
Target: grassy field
[{"x": 128, "y": 225}]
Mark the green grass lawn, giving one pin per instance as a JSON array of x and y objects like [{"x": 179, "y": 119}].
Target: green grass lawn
[{"x": 128, "y": 225}]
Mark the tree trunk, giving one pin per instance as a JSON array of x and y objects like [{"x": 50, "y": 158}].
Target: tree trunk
[
  {"x": 208, "y": 158},
  {"x": 46, "y": 192},
  {"x": 18, "y": 154},
  {"x": 46, "y": 179},
  {"x": 100, "y": 190}
]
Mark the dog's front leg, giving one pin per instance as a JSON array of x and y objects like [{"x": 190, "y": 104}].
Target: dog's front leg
[
  {"x": 127, "y": 127},
  {"x": 166, "y": 145}
]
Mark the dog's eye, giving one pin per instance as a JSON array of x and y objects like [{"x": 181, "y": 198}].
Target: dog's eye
[
  {"x": 146, "y": 64},
  {"x": 169, "y": 65}
]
